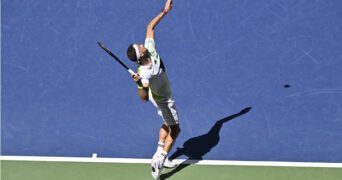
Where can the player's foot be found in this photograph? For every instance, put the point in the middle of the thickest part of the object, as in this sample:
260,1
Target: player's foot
156,169
157,165
168,163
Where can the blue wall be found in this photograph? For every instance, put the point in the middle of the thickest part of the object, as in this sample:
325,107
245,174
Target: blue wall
64,96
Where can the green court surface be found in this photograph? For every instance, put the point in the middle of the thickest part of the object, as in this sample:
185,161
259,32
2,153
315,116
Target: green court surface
29,170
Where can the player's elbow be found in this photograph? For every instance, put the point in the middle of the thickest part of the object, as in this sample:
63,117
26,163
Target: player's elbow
144,99
150,27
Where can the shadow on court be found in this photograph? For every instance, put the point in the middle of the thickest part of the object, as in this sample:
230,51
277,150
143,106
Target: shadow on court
195,148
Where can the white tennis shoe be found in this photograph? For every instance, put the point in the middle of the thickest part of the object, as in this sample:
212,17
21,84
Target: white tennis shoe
155,170
168,163
157,165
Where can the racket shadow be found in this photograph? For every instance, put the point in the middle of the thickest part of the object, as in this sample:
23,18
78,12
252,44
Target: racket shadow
195,148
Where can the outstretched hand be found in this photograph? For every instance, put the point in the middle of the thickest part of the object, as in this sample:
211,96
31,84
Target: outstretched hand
168,6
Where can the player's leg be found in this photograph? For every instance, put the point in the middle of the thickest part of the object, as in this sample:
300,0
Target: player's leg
163,133
164,130
157,159
174,131
160,158
170,117
168,111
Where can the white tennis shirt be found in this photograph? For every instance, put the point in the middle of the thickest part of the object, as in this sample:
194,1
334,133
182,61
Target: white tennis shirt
153,74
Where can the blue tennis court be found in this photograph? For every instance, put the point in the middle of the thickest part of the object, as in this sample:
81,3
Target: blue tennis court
252,80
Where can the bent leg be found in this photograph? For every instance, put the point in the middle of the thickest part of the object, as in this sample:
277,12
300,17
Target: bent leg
174,131
163,133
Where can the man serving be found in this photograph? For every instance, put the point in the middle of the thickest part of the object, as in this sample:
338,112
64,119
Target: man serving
153,85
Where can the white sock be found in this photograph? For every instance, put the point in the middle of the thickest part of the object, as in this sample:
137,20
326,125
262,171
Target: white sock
160,146
163,155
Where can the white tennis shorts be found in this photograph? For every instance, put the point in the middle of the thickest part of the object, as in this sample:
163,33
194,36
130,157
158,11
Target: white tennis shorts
167,110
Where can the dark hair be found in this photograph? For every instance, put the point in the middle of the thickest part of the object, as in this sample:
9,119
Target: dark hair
132,55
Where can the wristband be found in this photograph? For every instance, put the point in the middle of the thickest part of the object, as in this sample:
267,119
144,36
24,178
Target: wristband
140,87
164,12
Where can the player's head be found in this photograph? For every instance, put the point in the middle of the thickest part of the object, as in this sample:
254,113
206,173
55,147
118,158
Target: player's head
136,52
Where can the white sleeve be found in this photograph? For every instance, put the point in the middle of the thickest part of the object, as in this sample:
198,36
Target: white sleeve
150,45
145,81
145,76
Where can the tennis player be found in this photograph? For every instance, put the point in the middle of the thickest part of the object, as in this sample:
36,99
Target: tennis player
154,85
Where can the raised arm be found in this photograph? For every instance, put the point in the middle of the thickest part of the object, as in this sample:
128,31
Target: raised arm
155,21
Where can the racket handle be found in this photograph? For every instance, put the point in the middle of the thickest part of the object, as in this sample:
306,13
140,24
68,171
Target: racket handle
131,71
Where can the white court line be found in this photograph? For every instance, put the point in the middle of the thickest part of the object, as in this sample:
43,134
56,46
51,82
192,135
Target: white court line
177,161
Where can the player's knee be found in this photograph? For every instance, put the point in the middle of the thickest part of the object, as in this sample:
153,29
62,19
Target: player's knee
165,127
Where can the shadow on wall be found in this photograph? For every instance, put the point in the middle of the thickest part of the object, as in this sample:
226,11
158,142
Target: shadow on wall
195,148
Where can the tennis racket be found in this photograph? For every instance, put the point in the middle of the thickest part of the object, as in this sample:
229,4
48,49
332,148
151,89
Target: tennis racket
116,58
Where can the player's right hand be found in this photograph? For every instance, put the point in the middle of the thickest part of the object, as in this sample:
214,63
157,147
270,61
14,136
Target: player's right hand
136,77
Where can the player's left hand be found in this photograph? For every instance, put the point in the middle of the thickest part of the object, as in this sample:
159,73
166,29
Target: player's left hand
168,5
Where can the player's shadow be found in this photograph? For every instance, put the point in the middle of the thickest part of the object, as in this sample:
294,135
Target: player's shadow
195,148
